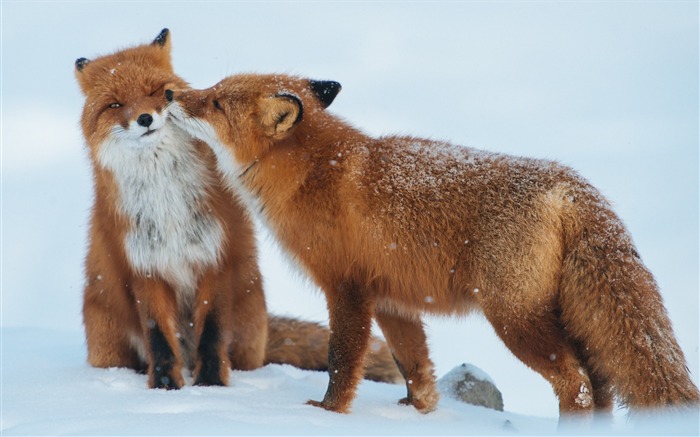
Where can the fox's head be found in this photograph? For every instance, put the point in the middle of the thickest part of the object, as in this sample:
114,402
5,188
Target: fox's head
124,93
243,116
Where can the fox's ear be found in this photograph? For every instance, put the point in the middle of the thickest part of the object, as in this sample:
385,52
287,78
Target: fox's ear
162,53
279,114
82,78
325,91
80,63
162,39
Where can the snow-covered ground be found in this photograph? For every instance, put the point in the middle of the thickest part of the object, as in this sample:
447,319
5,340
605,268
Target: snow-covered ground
609,88
50,390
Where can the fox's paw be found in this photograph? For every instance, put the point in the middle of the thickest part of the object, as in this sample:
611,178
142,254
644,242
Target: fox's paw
424,404
423,396
168,377
328,407
166,382
418,404
212,373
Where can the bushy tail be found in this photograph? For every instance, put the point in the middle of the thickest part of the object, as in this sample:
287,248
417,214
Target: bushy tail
305,345
611,304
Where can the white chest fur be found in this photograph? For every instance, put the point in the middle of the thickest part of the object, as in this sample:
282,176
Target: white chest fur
162,189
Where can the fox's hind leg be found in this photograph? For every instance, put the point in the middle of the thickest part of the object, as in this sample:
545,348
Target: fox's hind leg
603,398
408,344
538,340
112,327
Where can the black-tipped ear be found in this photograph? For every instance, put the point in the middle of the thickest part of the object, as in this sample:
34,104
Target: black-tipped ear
80,63
279,114
297,102
325,90
162,38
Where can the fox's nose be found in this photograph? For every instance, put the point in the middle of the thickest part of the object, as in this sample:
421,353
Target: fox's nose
144,120
169,95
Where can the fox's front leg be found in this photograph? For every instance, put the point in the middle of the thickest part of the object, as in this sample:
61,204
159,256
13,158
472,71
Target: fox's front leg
350,323
408,344
157,308
212,328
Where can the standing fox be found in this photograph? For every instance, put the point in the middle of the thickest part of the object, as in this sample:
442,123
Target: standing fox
172,278
395,227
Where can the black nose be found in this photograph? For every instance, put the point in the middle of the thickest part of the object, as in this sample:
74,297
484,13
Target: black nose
144,120
169,95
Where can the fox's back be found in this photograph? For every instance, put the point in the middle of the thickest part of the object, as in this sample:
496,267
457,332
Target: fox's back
444,223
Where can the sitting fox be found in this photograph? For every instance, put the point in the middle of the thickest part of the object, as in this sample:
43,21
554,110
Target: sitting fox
172,276
394,227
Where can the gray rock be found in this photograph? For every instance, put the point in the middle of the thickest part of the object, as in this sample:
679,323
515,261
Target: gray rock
472,385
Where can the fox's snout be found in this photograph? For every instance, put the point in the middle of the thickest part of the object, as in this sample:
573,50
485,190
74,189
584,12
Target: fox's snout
145,120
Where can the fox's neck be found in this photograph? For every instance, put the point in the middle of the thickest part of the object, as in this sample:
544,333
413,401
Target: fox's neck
162,195
312,162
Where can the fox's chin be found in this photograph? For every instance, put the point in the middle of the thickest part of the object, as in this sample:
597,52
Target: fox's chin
150,137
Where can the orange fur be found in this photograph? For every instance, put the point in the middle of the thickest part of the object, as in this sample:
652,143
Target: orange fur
394,227
305,344
172,278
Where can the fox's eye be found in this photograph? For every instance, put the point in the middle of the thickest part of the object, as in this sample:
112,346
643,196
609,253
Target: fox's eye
217,105
115,105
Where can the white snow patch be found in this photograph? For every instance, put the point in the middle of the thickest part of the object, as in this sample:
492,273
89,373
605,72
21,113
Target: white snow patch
49,389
